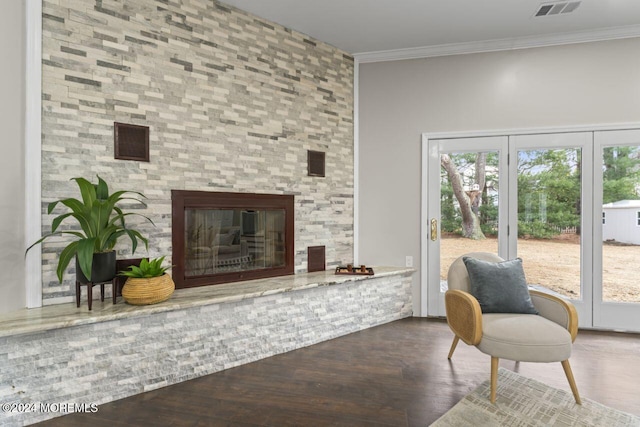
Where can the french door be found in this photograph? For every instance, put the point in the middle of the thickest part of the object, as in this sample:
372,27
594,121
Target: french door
551,209
616,230
553,199
451,178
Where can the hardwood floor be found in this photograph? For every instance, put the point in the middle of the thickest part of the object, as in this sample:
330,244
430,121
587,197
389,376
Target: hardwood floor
391,375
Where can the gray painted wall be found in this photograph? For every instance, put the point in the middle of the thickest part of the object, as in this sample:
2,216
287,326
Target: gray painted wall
12,105
581,84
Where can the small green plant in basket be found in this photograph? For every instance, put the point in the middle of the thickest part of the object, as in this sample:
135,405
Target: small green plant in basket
147,283
148,268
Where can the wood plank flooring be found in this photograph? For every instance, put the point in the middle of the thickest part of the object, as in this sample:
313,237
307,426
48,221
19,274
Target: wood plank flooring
391,375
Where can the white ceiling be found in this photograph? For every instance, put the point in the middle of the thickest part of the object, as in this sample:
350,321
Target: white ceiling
364,26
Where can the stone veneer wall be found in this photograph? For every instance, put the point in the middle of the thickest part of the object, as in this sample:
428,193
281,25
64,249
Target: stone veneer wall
233,103
107,361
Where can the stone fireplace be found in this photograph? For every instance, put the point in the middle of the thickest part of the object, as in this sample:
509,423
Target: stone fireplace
225,113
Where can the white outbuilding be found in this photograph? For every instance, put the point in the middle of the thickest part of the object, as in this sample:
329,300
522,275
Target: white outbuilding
621,221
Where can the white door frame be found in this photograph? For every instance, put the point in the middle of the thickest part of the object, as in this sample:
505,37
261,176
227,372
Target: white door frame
33,151
428,136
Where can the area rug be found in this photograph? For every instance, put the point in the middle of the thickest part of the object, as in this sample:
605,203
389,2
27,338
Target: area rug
524,402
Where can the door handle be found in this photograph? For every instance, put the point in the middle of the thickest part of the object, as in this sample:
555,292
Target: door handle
434,229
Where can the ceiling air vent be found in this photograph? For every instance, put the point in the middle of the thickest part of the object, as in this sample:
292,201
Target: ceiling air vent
571,7
548,9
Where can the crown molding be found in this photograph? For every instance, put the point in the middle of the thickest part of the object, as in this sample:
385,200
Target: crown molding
500,44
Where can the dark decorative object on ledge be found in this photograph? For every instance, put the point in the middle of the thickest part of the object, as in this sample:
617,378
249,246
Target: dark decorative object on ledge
315,259
131,142
315,163
355,271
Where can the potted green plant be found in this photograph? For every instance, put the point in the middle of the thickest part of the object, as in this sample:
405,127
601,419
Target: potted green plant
147,283
102,223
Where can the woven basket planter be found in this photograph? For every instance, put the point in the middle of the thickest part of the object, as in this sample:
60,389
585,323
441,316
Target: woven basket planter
144,291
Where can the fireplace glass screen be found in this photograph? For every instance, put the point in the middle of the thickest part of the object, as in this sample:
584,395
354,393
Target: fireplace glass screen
220,237
233,240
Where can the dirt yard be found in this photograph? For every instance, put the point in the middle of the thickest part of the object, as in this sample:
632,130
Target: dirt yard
555,264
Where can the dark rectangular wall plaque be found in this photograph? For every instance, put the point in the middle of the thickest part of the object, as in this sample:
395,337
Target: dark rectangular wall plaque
315,163
131,142
316,259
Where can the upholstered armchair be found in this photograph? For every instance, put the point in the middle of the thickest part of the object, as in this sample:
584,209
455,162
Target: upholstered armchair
546,337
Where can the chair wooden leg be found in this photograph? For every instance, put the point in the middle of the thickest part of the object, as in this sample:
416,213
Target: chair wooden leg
494,378
572,381
453,346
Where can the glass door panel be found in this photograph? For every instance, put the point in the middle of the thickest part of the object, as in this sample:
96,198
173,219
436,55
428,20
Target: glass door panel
620,223
549,218
469,188
462,207
551,204
617,232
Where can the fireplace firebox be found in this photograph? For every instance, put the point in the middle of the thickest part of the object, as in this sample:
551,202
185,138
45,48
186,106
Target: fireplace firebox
223,237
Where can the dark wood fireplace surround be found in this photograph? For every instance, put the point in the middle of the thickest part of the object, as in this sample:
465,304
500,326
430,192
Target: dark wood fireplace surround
181,200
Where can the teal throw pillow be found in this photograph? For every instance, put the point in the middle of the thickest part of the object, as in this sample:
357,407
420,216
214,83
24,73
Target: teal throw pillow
499,287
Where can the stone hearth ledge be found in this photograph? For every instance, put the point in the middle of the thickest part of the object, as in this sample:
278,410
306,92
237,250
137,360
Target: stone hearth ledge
65,315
